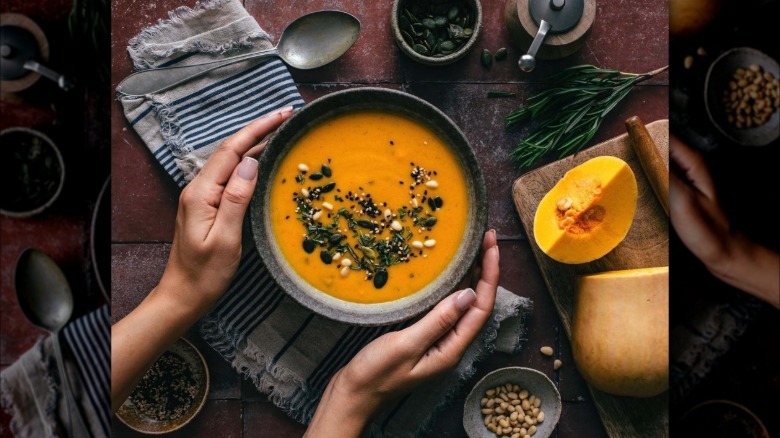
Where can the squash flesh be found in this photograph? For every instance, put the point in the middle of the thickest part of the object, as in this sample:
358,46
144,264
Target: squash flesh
599,197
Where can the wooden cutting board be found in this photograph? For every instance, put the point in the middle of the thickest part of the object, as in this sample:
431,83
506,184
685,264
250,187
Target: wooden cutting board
646,245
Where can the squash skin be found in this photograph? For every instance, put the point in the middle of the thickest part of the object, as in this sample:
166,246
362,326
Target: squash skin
620,331
603,188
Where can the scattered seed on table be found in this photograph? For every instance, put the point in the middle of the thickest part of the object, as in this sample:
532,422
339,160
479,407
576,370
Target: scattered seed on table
547,351
557,364
486,58
501,53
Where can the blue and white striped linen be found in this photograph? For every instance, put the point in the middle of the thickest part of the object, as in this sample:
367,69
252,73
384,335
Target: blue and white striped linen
89,339
288,352
31,392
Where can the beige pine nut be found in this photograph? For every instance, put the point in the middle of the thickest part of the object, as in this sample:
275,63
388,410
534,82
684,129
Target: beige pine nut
540,417
523,394
432,184
487,411
327,206
303,168
344,271
537,402
396,226
531,430
557,364
305,193
526,404
316,216
688,62
336,256
430,243
488,419
346,262
546,350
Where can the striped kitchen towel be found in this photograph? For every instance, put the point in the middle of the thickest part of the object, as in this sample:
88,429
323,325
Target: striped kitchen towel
288,352
30,388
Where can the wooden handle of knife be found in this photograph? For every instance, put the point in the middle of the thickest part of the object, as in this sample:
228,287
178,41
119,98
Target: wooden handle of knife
652,163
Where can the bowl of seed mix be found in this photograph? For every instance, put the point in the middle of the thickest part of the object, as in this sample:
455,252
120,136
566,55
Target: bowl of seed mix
742,96
170,394
512,402
435,32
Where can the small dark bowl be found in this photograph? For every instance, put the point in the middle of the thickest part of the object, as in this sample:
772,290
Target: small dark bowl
718,77
45,172
476,7
333,105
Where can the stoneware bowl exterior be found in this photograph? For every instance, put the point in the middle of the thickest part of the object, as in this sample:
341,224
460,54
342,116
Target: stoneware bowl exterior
133,419
718,77
476,6
46,140
527,378
320,111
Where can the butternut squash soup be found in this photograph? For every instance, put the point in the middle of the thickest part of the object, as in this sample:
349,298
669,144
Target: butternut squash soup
369,206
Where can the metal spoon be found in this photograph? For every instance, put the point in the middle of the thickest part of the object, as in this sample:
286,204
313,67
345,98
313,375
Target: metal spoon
46,300
311,41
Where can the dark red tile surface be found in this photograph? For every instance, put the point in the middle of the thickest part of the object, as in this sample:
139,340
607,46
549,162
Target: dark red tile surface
264,419
219,418
629,37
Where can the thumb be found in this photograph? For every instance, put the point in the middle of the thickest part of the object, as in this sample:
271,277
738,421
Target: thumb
440,320
236,196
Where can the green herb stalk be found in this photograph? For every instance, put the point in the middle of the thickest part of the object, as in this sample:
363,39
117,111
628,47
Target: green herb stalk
572,111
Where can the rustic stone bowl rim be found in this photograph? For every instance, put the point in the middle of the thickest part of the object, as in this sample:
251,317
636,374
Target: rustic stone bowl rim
536,382
430,60
322,109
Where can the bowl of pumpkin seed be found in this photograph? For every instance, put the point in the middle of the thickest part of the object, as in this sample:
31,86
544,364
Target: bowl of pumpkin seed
436,32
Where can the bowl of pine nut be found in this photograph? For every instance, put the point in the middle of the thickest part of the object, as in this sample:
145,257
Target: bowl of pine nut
742,96
512,402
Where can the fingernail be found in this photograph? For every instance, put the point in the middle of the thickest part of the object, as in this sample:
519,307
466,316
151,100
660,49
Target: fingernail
247,169
493,232
286,110
465,299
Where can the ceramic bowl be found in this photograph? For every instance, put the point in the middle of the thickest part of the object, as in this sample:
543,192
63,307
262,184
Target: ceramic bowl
129,414
322,110
526,378
100,240
398,5
717,80
718,417
44,168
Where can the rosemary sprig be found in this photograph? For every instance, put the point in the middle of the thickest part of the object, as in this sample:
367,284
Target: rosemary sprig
572,110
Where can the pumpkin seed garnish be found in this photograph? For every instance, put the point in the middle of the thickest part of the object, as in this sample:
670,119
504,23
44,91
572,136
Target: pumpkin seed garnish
315,176
380,279
431,221
309,245
326,170
487,58
328,187
326,257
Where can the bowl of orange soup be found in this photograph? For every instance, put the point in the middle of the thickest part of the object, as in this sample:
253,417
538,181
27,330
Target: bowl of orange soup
371,206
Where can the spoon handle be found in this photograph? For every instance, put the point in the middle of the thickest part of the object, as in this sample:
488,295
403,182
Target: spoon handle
80,429
155,80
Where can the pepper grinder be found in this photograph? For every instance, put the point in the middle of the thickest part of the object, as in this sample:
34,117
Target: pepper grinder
548,29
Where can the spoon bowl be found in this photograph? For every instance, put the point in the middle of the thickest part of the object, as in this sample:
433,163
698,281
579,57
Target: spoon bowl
43,291
310,41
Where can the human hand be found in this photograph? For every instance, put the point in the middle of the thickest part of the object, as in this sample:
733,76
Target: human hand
207,242
703,227
695,210
395,363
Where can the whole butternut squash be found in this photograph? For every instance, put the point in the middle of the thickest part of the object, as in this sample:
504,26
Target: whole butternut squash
620,331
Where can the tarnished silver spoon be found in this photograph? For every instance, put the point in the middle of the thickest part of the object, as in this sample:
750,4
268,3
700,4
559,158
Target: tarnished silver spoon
44,295
311,41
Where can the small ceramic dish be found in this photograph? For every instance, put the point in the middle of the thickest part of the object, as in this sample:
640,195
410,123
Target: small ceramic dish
721,418
136,417
327,108
100,240
397,22
32,172
535,382
719,74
